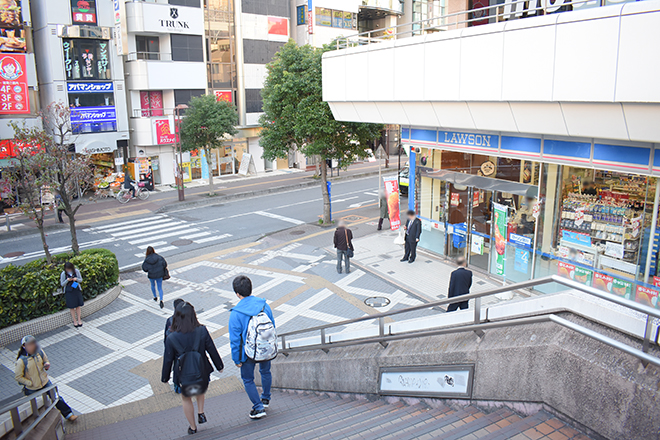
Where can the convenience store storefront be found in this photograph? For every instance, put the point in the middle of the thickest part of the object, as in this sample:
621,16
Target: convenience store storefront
521,208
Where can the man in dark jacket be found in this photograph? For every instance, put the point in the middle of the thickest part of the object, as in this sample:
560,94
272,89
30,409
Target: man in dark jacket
459,284
343,242
413,230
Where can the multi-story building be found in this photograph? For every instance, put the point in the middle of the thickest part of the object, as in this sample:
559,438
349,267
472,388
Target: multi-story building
78,64
533,136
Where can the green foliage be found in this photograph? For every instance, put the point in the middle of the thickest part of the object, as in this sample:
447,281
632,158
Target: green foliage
26,292
294,111
207,122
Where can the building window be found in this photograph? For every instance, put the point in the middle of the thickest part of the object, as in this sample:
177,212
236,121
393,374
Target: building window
148,48
427,10
191,3
187,48
266,7
86,59
92,107
253,101
259,51
221,76
184,96
151,103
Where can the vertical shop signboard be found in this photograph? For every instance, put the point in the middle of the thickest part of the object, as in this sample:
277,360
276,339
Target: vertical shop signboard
392,195
310,18
622,288
83,12
500,212
455,199
656,281
14,98
646,296
163,132
603,282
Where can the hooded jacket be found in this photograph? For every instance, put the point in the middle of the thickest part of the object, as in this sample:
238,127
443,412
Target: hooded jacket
34,376
238,324
155,266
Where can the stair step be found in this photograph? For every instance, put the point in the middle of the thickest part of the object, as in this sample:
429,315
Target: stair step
413,415
471,428
434,424
518,427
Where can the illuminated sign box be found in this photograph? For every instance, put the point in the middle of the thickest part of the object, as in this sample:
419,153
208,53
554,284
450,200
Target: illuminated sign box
446,381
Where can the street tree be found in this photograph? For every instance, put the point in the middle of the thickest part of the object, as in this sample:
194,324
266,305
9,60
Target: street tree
295,116
71,174
31,175
207,125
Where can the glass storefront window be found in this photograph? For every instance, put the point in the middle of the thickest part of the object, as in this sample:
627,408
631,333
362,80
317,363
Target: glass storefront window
86,59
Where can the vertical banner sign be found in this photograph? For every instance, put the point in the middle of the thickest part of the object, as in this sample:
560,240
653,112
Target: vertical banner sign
310,17
121,31
14,97
392,195
500,236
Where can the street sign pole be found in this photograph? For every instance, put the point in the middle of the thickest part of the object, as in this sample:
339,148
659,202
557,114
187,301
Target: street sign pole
330,198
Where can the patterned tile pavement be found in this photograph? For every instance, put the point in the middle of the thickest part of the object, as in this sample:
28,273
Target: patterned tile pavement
114,358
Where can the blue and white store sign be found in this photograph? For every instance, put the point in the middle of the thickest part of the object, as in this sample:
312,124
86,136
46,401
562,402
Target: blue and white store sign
88,87
82,115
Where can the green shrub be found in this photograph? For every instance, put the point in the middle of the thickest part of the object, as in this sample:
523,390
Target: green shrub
26,292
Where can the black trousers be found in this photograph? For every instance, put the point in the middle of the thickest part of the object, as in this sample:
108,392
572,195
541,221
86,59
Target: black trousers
457,305
410,249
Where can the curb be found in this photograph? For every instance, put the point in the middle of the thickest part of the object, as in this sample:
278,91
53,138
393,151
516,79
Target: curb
31,231
218,200
56,320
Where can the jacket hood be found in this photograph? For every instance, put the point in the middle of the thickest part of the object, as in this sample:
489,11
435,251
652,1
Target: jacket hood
151,259
250,305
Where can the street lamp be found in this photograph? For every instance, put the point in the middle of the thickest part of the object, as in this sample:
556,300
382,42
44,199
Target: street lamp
179,177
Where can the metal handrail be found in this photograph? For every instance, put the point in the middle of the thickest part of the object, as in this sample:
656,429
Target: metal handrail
478,325
19,431
511,9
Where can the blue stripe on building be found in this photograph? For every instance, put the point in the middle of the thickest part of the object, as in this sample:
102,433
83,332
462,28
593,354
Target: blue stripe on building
617,153
405,133
424,135
568,149
526,145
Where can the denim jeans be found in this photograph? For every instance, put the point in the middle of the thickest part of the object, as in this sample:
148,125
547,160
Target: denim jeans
61,405
344,255
159,282
247,374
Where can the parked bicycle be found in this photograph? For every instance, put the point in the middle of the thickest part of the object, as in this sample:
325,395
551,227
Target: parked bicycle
124,195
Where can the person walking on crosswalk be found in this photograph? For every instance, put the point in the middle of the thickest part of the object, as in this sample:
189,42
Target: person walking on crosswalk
156,268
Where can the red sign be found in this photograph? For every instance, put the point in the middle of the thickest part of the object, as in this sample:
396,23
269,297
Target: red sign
392,196
475,199
164,132
224,95
647,296
6,149
603,282
455,199
656,281
278,26
310,26
83,12
14,98
566,270
151,103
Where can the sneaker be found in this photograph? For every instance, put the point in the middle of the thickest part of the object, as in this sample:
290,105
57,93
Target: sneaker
265,402
155,299
257,413
201,418
403,259
72,418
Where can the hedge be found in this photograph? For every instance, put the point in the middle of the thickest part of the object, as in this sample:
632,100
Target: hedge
26,292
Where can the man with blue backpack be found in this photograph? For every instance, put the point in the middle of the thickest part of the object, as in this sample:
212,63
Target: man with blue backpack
253,341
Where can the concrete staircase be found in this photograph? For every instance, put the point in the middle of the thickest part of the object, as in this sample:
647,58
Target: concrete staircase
310,416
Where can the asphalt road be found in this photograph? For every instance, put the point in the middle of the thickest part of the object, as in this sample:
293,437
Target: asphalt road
178,234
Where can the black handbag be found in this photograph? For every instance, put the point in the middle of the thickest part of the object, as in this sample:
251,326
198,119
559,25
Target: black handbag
166,275
349,251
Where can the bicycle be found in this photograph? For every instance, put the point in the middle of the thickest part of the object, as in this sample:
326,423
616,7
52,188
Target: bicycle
124,195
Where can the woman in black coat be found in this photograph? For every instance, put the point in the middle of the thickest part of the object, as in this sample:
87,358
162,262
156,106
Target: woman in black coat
186,331
156,268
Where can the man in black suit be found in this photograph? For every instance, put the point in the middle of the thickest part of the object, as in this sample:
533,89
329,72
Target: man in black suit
413,230
459,284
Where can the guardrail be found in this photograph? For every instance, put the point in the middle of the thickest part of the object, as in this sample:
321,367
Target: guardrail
21,432
509,10
479,326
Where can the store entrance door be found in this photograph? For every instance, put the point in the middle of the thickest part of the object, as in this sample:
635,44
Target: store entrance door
457,220
480,228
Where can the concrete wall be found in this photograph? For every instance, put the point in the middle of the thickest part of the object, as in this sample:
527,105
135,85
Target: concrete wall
596,386
581,73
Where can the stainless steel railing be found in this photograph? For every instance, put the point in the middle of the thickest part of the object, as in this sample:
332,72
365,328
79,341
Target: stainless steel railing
509,10
21,432
479,325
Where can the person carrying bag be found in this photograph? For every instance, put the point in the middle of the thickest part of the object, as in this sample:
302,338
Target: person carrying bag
343,241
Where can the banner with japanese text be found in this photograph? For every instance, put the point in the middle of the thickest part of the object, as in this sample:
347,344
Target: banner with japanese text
500,236
392,196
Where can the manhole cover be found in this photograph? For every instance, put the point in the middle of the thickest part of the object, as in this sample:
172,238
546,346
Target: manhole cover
181,242
377,301
297,232
13,254
352,218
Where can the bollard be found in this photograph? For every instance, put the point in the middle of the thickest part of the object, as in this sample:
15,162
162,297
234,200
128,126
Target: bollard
7,222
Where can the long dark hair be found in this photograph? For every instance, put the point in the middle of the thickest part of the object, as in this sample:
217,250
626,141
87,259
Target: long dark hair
21,352
150,250
185,319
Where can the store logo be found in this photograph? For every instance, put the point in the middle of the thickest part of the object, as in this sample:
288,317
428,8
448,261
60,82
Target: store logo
174,13
467,139
174,23
10,69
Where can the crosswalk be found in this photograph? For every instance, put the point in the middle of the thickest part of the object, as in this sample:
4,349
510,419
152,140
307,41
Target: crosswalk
159,231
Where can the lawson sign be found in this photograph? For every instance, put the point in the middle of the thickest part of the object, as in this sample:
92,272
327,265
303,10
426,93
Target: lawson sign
82,115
